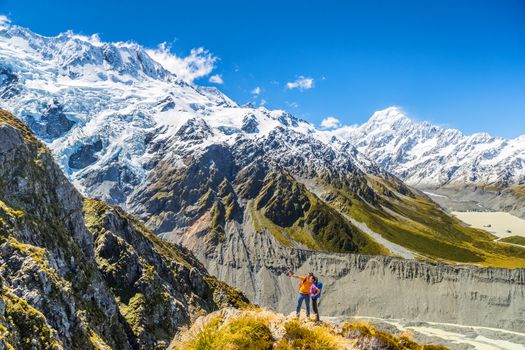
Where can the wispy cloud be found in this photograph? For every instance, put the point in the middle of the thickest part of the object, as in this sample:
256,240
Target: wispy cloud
292,104
262,103
4,20
302,83
330,123
199,63
256,91
217,79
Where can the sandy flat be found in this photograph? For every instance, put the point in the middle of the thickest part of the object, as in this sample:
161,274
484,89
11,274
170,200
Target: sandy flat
500,222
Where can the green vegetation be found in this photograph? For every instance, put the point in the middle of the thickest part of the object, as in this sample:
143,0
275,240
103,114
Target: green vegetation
16,214
420,225
520,240
297,336
292,214
26,328
29,138
243,332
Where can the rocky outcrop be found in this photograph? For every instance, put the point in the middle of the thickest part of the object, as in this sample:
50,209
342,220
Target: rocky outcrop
159,285
67,285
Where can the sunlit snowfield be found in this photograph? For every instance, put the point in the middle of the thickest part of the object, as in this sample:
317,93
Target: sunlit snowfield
499,223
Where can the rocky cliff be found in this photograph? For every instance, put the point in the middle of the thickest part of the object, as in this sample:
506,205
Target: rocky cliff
378,286
64,284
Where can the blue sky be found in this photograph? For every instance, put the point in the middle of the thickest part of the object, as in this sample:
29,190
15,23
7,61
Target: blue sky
455,63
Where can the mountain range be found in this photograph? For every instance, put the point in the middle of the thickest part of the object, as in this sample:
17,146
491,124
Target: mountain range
201,170
486,170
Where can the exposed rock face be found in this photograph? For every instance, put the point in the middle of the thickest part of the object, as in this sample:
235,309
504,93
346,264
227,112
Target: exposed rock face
159,285
105,285
52,123
85,155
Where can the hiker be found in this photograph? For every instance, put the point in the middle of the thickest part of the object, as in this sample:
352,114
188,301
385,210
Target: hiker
315,293
304,292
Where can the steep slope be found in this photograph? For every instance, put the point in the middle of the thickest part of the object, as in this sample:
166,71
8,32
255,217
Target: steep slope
81,288
479,166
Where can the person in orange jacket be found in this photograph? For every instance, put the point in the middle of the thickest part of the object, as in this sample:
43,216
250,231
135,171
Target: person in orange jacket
304,292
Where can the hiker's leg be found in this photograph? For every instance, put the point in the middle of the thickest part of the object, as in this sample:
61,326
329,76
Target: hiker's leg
307,302
316,309
299,303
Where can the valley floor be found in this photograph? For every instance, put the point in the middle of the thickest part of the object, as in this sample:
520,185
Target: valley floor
500,224
453,336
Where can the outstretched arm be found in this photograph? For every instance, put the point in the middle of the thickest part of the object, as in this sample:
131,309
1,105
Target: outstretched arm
291,274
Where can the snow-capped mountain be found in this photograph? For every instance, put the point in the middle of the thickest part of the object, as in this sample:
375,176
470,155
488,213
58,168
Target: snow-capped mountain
429,156
201,170
109,112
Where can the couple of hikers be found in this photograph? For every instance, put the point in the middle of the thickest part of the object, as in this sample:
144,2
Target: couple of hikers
309,289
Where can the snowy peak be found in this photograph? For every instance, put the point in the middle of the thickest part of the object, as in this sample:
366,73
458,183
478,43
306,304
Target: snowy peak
427,155
77,56
109,110
390,115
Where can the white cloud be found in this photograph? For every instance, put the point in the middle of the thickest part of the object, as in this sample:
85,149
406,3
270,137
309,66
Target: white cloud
292,104
262,103
257,90
199,63
330,123
92,39
4,20
301,83
217,79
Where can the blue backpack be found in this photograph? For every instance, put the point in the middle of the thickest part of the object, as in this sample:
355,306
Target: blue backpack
319,285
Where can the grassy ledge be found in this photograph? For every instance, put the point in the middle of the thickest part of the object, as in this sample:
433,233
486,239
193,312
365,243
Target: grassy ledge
258,328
